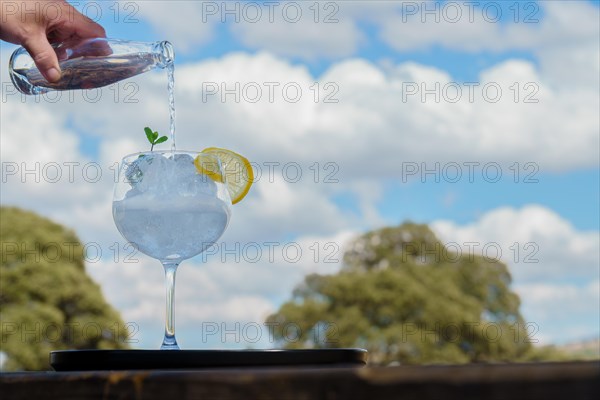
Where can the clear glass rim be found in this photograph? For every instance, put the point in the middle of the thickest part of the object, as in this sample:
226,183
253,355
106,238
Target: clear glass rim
139,153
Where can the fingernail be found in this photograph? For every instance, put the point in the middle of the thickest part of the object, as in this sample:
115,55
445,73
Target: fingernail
53,74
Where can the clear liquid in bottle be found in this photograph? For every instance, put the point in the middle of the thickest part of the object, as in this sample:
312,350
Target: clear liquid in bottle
90,63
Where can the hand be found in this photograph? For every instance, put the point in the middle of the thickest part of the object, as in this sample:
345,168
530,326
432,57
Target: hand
35,24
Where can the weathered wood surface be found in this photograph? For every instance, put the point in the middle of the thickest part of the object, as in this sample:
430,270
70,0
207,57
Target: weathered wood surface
478,382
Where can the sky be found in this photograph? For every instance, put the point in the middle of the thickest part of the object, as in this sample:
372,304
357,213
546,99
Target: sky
478,118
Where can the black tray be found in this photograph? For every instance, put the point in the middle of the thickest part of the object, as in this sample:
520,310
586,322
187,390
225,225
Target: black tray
99,360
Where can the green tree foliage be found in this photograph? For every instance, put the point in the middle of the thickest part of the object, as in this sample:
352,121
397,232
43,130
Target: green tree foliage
47,301
407,298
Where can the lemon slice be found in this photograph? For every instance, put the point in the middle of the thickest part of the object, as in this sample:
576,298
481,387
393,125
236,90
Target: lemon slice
237,169
209,167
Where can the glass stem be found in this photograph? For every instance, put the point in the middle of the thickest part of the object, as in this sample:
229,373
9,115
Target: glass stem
169,342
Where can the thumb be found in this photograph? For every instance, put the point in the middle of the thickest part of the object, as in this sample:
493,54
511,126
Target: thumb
44,57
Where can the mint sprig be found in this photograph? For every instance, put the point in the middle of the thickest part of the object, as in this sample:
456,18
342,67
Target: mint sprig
153,137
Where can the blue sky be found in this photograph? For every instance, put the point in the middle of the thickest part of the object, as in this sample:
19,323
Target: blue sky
371,134
560,192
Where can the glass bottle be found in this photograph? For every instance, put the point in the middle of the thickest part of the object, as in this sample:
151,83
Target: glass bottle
90,63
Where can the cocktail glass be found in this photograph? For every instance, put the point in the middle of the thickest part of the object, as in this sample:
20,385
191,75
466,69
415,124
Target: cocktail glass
171,210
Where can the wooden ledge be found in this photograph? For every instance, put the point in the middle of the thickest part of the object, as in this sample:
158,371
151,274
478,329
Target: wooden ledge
544,381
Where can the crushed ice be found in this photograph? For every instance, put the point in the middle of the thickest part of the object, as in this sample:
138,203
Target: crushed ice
167,176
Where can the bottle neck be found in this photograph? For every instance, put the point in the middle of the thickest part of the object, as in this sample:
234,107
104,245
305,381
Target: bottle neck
164,51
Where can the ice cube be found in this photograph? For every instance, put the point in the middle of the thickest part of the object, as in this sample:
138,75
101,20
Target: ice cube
184,159
135,170
160,175
134,191
188,181
184,166
204,185
155,175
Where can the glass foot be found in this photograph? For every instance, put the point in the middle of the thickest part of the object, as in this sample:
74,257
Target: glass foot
169,343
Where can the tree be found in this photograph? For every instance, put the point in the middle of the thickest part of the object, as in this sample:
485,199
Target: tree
47,301
407,298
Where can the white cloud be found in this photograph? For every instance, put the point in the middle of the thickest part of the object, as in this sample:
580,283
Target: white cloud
465,27
186,24
277,208
564,36
41,157
568,50
374,120
301,29
370,131
538,244
289,28
52,141
560,313
554,266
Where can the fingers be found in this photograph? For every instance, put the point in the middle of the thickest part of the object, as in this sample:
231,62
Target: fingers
83,26
78,27
72,24
44,57
88,28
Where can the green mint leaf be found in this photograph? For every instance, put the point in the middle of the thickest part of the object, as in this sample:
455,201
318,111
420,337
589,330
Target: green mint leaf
149,134
153,137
